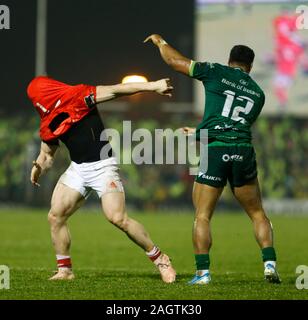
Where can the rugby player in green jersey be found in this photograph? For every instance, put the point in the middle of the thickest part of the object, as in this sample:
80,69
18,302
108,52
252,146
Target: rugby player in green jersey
233,103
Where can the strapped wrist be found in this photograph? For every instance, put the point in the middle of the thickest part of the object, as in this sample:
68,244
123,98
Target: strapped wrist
162,42
36,165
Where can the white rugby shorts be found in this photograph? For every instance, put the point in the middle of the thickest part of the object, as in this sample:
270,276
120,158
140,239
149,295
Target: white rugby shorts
100,176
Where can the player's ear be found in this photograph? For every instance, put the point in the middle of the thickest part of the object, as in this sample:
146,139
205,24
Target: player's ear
250,67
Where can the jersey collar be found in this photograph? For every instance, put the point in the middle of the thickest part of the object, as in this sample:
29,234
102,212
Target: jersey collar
238,68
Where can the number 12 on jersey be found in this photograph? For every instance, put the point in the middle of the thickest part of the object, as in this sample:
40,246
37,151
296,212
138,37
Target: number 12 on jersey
237,109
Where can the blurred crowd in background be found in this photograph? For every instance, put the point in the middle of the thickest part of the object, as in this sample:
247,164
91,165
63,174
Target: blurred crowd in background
281,144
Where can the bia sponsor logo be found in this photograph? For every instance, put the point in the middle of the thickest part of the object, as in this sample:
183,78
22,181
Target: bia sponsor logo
4,17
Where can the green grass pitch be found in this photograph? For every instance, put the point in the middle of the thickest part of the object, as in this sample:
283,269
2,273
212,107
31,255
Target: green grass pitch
108,266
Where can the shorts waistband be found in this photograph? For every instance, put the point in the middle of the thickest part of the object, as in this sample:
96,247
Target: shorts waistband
99,163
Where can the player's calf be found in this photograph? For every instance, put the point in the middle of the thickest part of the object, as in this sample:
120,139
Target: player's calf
61,241
137,233
114,208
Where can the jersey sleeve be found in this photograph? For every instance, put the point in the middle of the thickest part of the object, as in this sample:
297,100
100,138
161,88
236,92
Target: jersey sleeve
263,99
202,70
84,95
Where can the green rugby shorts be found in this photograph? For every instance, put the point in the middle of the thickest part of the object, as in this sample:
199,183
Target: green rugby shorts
235,163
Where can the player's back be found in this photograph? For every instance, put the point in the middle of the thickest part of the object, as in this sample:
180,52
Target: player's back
233,101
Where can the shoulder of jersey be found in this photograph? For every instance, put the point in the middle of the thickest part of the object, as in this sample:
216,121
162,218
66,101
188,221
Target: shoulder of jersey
257,85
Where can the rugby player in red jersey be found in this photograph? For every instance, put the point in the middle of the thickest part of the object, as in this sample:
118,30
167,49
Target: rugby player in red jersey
289,54
69,114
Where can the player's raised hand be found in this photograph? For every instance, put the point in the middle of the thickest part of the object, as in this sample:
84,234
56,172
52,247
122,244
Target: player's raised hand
164,87
35,173
156,39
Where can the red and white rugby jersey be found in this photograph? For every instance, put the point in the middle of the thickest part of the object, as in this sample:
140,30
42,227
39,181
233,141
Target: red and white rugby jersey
59,105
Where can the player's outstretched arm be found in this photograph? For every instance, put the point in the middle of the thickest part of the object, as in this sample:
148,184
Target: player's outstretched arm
43,162
171,56
105,93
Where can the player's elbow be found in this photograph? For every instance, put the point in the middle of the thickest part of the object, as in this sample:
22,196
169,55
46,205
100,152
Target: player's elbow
46,161
178,65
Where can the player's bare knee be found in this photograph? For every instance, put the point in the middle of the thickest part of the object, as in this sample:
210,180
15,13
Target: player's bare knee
258,216
203,216
120,221
57,217
52,219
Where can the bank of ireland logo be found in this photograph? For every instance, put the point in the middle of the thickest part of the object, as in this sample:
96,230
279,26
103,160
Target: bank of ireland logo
4,277
4,17
243,82
302,279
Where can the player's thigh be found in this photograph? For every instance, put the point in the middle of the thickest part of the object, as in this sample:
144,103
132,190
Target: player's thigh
103,178
243,165
210,180
213,169
69,193
249,196
205,198
65,200
106,182
113,205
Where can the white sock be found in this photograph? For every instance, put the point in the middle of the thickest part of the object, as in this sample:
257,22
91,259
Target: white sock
202,272
273,263
59,257
63,262
154,253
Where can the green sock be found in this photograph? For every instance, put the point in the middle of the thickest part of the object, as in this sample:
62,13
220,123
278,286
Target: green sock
202,261
268,254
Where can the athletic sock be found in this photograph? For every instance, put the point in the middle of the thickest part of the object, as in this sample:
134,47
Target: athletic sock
273,263
268,254
202,262
154,253
201,273
64,262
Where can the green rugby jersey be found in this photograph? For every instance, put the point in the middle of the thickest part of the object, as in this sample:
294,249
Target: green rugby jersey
233,101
